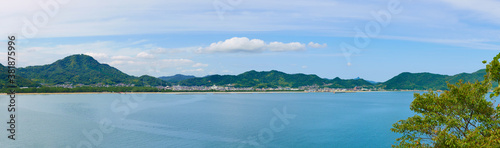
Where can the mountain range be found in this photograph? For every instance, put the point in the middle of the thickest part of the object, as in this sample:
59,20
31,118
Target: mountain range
176,78
83,69
273,78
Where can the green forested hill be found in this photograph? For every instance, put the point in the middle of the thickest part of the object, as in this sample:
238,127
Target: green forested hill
350,83
272,78
20,81
176,78
425,81
149,80
82,69
468,77
3,76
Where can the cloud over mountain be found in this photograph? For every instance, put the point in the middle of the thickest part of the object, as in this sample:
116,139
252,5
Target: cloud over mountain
244,44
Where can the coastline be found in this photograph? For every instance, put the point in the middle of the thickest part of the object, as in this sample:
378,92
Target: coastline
80,93
182,93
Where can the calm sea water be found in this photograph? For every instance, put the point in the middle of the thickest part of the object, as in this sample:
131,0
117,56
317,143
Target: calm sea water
206,120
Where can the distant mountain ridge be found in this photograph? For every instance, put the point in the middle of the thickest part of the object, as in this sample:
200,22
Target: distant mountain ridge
176,78
373,82
424,81
273,78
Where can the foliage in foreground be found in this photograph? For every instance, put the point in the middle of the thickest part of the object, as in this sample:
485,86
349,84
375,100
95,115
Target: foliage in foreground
460,117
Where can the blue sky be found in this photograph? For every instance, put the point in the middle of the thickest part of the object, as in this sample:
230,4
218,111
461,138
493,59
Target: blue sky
204,37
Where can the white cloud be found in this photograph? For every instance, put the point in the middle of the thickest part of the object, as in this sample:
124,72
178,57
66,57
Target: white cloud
236,44
145,55
244,44
200,65
279,46
98,56
316,45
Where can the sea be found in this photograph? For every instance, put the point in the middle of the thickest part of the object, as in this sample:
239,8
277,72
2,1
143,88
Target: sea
214,120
